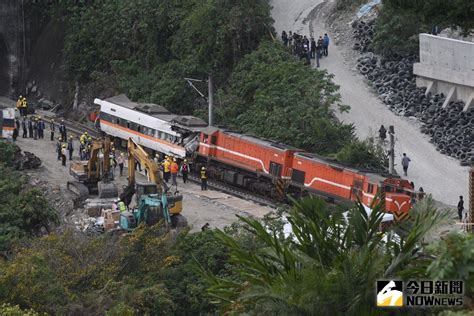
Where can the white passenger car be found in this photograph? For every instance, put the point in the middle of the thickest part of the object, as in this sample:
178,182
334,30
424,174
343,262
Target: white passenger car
150,125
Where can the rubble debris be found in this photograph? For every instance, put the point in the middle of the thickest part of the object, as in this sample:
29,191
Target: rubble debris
28,161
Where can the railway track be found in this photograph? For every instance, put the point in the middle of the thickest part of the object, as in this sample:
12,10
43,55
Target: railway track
79,128
72,127
219,186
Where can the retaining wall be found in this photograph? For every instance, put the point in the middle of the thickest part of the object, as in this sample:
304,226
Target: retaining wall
446,66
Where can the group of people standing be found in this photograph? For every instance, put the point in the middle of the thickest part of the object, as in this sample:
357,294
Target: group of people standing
171,167
305,48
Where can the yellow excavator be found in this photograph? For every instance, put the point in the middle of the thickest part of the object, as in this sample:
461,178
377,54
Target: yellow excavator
94,176
153,192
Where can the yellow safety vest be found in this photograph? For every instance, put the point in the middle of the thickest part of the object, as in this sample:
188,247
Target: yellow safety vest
122,207
203,174
166,166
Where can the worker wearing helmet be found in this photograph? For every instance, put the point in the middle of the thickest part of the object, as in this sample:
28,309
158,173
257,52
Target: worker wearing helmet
70,147
63,154
185,170
166,169
121,161
174,168
83,138
19,105
52,129
121,206
203,179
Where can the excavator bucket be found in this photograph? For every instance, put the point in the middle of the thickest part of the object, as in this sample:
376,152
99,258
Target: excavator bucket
107,190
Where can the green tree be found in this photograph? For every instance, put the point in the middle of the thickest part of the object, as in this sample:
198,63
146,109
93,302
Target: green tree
328,266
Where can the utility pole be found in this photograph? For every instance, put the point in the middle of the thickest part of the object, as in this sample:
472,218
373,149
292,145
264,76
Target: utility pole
391,157
211,99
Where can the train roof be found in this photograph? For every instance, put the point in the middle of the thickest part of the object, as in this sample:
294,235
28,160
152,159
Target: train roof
260,141
6,103
157,111
373,176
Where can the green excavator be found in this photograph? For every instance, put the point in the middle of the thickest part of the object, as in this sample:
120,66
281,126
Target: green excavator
154,201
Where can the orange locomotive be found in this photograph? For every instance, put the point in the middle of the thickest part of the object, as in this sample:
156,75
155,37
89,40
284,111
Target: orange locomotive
274,169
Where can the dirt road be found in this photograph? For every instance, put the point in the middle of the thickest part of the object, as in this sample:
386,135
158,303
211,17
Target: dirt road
216,208
440,175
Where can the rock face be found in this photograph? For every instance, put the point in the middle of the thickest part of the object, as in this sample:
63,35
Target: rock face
450,129
26,160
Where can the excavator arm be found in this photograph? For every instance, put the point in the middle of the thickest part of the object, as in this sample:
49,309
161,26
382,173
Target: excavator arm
94,165
137,154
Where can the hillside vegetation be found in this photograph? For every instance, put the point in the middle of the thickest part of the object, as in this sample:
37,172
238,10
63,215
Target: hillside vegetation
145,48
400,22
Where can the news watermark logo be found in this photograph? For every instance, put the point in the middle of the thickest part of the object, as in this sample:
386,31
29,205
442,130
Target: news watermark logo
389,293
415,293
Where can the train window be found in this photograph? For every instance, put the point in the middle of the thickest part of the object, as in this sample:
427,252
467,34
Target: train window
214,140
128,124
151,132
139,128
275,169
145,130
298,176
370,188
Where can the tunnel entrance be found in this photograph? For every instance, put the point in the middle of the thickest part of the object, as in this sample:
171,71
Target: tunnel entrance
4,68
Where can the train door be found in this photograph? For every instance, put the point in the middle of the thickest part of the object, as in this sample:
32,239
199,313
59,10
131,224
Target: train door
357,187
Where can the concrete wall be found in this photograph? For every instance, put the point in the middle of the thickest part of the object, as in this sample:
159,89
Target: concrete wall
446,65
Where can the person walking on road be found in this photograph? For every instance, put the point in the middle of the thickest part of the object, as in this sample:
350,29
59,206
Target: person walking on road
25,130
313,48
325,44
174,169
284,38
63,155
382,134
58,148
35,128
166,169
405,163
30,128
41,128
70,147
62,130
203,179
51,129
185,170
460,208
15,134
121,161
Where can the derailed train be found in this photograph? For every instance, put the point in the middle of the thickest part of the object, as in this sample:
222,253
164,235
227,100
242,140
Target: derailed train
7,121
258,165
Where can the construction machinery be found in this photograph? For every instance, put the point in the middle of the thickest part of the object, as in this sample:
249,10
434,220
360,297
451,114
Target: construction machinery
94,176
153,197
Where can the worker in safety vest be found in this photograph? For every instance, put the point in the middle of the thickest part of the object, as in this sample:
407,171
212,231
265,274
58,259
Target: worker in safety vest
185,170
203,179
24,105
166,169
121,206
19,105
83,138
174,168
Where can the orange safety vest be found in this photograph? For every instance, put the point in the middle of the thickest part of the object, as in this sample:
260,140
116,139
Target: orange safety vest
174,167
